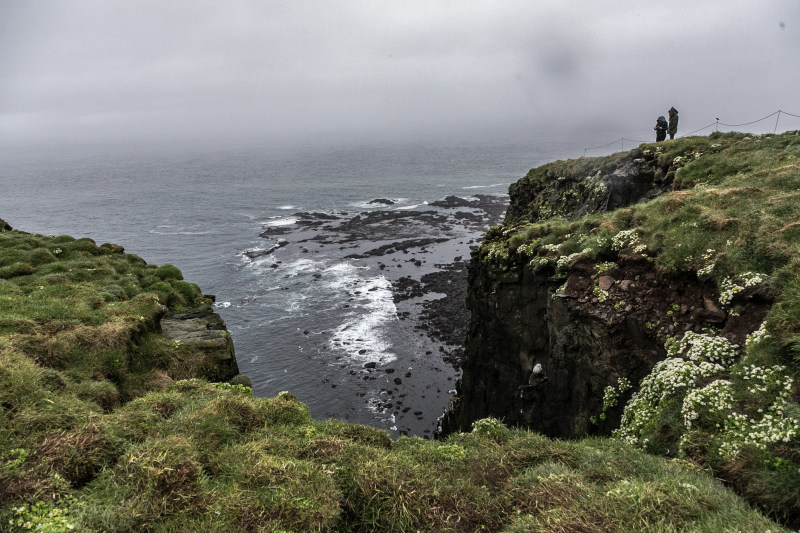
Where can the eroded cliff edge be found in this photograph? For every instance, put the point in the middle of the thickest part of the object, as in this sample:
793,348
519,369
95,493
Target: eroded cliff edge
546,338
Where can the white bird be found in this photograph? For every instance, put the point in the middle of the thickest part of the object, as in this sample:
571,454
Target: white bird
537,369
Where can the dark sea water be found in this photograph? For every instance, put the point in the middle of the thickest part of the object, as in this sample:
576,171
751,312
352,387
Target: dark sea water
309,315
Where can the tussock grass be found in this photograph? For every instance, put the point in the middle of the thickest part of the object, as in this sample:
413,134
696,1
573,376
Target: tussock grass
150,466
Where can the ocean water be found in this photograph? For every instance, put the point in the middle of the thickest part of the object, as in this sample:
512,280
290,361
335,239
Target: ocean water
306,308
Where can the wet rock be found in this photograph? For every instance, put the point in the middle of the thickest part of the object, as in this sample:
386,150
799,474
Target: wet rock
253,254
381,201
451,202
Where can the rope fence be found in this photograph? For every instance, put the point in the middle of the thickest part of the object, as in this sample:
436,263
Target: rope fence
716,124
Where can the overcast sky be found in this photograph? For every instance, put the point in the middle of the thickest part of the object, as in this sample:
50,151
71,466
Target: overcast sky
297,71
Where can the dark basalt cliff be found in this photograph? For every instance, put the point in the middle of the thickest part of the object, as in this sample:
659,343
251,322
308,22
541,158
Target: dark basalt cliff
539,353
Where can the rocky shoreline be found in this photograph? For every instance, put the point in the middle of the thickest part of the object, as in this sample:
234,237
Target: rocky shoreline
421,253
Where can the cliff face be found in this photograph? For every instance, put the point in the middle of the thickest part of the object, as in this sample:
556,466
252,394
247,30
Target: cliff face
543,344
517,325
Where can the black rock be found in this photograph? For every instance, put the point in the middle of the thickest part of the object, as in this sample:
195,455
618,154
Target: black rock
383,201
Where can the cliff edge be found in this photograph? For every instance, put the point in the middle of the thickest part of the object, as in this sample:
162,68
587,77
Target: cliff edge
639,294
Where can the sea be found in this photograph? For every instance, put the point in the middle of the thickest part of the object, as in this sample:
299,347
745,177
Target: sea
302,248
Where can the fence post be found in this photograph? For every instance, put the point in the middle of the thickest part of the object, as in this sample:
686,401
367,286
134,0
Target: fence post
776,122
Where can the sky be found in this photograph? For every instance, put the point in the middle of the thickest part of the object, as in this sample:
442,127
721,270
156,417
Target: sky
300,71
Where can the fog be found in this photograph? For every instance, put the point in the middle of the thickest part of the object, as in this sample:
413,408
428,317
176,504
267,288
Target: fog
356,70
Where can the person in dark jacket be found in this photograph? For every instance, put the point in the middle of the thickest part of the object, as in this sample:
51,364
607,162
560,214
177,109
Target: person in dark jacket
673,122
661,129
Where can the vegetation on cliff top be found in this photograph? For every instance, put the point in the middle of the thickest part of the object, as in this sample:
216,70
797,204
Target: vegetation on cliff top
731,219
102,431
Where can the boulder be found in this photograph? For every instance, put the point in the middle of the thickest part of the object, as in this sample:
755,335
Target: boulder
204,329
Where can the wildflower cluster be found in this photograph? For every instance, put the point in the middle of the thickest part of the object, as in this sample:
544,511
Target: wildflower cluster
602,267
490,427
624,239
757,336
539,261
565,260
744,431
700,358
528,249
496,250
562,288
611,397
712,401
628,238
771,425
551,247
702,347
710,262
729,287
600,294
594,242
768,380
668,378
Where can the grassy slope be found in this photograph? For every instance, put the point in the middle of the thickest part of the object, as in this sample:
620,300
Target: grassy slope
733,219
101,431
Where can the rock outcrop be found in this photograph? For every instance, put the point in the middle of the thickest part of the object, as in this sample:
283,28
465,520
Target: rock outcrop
205,330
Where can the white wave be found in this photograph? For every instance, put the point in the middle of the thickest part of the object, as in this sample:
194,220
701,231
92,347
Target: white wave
484,186
407,207
361,333
342,276
221,305
286,207
294,269
154,232
368,204
280,221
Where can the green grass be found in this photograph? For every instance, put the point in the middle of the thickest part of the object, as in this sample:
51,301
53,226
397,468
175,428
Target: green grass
263,464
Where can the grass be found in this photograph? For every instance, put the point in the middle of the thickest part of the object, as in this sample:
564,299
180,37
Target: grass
106,428
269,467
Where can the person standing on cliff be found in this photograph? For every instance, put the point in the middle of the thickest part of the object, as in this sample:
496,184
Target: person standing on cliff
661,129
673,122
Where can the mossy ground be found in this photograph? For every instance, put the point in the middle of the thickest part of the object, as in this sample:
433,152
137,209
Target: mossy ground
728,230
197,456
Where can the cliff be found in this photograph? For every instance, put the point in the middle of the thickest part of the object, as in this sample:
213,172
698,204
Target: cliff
608,272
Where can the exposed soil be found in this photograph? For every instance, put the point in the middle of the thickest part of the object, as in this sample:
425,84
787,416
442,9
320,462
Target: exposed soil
668,305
